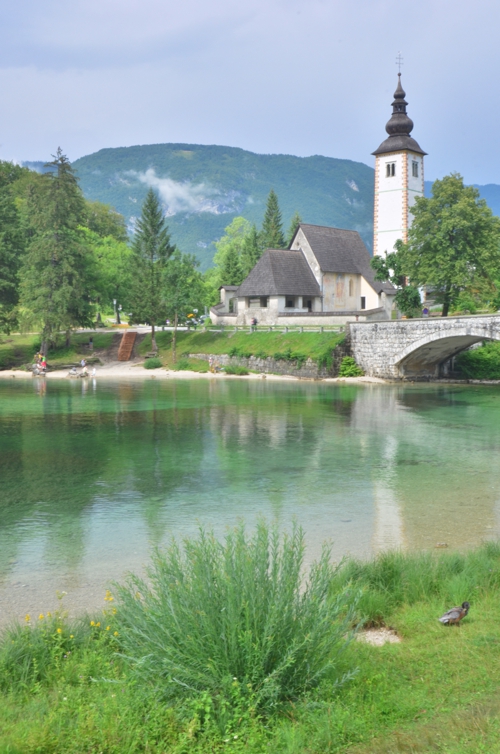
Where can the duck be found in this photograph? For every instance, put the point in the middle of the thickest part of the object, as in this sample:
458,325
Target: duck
455,614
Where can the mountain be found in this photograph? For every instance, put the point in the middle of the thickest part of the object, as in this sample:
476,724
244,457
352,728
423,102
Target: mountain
202,188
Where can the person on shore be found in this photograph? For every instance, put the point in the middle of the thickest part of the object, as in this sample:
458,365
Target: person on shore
254,324
83,363
211,363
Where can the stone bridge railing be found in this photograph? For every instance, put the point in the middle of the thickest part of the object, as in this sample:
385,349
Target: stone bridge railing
417,348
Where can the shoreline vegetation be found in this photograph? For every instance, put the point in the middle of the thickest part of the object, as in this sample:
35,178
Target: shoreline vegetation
225,646
294,349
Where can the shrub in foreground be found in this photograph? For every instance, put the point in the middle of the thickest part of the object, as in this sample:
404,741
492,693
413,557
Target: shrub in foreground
234,621
152,363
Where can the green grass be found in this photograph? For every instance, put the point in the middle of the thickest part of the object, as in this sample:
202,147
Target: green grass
436,691
295,347
481,363
18,350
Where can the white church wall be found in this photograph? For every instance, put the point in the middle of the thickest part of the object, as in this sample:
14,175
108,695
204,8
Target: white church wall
302,243
372,300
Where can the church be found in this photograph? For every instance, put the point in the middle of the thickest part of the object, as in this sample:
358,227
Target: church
325,277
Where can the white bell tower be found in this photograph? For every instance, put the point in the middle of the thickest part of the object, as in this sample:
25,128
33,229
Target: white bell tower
399,178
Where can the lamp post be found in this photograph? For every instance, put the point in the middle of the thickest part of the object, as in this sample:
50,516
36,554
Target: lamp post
114,307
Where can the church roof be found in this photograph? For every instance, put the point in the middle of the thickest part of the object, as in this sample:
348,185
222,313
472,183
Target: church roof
341,251
280,272
399,127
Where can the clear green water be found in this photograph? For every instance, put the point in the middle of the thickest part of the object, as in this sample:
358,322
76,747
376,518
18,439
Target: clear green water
92,476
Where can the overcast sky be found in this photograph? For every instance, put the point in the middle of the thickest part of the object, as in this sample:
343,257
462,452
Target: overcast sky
271,76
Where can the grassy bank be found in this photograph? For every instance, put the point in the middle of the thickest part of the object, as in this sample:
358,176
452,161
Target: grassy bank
18,350
295,347
207,657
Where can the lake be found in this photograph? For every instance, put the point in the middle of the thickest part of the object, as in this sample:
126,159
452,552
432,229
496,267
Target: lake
93,474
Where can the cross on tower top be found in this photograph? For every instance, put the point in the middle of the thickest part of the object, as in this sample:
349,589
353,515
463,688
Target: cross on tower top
399,61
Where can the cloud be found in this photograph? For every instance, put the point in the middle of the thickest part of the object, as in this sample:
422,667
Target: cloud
179,197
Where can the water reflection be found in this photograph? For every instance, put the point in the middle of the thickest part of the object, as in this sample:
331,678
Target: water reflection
93,476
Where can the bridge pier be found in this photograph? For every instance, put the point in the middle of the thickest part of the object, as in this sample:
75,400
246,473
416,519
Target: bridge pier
417,349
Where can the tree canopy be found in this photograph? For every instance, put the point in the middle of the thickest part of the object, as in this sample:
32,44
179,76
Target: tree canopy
453,243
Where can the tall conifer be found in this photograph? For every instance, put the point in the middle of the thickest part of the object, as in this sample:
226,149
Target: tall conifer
232,272
152,249
294,225
56,273
271,235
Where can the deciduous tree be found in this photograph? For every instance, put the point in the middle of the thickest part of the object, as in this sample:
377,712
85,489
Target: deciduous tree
183,288
453,243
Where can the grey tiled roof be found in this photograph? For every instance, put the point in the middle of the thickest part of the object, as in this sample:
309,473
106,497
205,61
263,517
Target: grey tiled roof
397,143
342,251
280,272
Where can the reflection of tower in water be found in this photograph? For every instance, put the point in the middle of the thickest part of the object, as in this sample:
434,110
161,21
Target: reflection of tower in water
433,481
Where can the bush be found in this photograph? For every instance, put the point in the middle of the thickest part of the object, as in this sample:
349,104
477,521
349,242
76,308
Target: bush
480,363
182,365
234,369
153,363
214,616
349,368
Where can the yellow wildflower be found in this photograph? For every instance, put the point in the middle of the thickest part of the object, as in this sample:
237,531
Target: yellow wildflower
92,623
109,597
107,628
27,617
59,630
71,636
40,617
98,624
114,611
116,633
49,615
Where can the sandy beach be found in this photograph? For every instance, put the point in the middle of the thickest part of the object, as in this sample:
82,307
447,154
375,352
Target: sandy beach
130,370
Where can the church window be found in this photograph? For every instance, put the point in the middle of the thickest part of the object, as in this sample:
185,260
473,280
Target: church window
290,303
350,286
263,302
390,169
414,169
363,302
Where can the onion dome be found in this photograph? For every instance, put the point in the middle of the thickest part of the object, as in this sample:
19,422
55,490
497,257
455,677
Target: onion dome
399,127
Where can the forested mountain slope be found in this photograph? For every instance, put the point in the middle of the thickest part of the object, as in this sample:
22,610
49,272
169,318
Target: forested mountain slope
202,188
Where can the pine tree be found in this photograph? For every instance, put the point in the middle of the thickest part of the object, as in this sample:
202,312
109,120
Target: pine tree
251,252
12,245
294,225
152,249
57,269
232,272
271,235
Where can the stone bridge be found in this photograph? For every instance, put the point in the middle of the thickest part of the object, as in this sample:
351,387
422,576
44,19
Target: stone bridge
417,348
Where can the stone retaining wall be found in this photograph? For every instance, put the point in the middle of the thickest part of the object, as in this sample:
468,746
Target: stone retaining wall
309,369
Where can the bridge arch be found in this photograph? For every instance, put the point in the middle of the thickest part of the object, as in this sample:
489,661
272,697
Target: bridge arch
426,354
